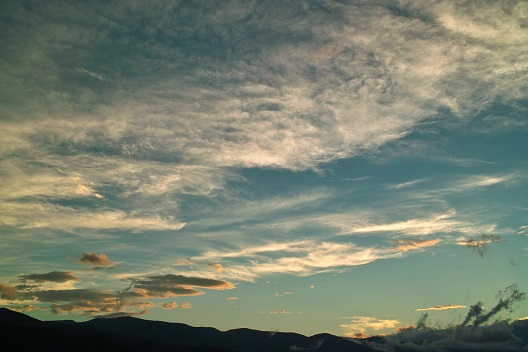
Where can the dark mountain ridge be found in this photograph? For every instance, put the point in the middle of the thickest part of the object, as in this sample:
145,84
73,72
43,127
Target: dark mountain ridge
134,334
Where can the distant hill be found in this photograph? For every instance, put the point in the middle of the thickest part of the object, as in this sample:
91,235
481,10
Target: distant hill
134,334
128,334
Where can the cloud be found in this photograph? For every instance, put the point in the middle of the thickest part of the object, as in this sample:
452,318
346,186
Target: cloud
54,276
480,246
186,305
37,216
216,267
523,230
410,244
122,314
177,285
300,258
362,324
451,306
405,184
282,311
8,292
479,181
93,258
418,226
170,305
309,89
232,298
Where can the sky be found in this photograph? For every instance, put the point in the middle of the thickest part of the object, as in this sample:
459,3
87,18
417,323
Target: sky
307,166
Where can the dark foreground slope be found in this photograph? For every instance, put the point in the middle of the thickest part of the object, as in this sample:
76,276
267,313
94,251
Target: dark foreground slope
24,333
133,334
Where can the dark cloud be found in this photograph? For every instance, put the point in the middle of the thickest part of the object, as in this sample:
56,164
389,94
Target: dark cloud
95,259
72,295
8,292
177,285
54,276
122,314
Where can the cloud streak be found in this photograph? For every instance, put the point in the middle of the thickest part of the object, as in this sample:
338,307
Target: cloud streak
447,307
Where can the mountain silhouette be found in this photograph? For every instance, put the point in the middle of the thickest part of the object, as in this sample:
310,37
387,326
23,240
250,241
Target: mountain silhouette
134,334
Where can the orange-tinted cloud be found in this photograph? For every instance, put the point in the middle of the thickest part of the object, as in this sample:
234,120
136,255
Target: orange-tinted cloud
186,305
95,259
232,298
216,267
171,305
411,244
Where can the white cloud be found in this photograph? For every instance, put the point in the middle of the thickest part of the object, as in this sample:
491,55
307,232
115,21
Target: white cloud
68,219
404,184
301,258
447,307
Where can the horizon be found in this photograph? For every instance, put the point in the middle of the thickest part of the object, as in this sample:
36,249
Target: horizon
336,167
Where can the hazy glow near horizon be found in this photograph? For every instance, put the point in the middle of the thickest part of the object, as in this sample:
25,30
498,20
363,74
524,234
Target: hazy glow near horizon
337,166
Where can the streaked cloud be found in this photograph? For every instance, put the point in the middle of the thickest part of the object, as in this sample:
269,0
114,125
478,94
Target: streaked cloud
447,307
410,244
170,285
30,216
232,298
54,276
301,258
423,226
405,184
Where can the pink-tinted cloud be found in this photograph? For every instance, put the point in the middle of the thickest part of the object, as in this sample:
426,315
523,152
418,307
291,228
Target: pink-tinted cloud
95,259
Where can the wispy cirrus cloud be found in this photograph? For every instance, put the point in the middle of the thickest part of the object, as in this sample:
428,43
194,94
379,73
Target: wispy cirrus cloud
42,215
405,184
410,244
446,307
300,258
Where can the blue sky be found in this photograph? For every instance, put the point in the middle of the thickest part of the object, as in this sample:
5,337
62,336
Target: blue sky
308,166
